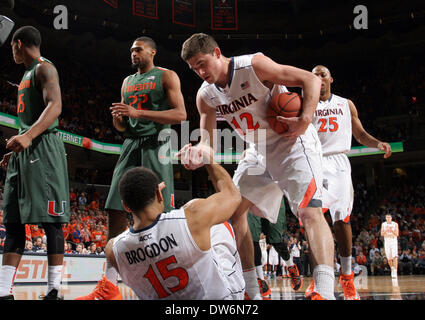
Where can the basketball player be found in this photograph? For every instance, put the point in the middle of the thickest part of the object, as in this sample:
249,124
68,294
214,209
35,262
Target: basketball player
189,253
390,232
289,163
274,237
151,101
36,186
336,121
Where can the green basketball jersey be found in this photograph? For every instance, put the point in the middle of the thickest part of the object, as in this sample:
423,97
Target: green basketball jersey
145,92
30,99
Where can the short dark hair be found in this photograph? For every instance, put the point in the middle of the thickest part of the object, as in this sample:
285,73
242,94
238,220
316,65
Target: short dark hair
198,43
138,188
147,40
28,35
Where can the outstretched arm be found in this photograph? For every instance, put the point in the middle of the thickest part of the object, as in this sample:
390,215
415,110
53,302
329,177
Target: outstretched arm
361,135
201,214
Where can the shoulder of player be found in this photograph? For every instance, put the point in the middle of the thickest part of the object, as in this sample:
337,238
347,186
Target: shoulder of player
168,75
45,70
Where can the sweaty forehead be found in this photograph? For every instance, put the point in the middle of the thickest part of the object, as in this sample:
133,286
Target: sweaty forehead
321,69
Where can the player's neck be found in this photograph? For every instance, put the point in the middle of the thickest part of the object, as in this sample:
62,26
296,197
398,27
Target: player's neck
325,96
224,78
30,56
146,69
146,217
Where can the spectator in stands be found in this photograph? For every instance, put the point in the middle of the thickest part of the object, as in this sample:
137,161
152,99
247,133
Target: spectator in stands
420,264
72,196
372,251
79,249
99,251
37,244
96,235
68,248
384,268
376,262
405,263
76,234
361,259
28,246
82,201
36,232
92,248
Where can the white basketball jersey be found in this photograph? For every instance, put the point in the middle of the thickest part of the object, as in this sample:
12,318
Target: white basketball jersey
162,261
243,102
332,120
389,227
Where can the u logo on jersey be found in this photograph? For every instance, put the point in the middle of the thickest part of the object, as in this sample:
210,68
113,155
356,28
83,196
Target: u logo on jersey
51,209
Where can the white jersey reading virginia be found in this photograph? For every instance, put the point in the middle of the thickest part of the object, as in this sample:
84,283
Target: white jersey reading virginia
243,102
163,261
332,120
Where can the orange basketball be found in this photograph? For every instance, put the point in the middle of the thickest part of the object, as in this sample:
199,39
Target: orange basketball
286,104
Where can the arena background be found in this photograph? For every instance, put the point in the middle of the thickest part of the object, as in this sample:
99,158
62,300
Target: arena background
379,68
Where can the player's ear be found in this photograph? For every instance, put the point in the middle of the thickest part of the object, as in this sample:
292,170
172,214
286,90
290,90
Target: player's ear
125,207
161,186
331,80
217,52
153,52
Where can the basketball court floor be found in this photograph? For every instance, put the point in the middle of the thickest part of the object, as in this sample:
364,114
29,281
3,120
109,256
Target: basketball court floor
370,288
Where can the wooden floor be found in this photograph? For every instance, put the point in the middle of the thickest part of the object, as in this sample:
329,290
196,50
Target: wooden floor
369,288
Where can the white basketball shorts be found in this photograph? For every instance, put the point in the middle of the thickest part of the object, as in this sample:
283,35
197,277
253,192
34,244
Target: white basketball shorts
290,167
337,182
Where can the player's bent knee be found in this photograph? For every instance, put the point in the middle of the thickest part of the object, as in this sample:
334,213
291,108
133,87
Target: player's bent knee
15,238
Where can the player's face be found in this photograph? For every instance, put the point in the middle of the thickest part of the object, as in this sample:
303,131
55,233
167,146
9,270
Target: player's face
206,66
17,56
388,218
141,54
325,76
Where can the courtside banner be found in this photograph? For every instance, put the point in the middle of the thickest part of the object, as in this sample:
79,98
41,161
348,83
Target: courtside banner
112,3
184,12
224,14
10,121
146,8
76,268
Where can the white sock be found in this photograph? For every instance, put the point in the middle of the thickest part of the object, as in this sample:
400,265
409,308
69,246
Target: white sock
7,276
111,273
346,265
324,280
251,284
54,277
260,272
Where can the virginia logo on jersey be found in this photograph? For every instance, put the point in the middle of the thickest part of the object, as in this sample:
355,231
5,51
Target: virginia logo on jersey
328,112
236,105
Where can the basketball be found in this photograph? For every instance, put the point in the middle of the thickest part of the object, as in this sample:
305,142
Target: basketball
286,104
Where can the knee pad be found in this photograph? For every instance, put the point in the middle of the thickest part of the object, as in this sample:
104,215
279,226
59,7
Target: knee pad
282,250
55,238
15,238
257,254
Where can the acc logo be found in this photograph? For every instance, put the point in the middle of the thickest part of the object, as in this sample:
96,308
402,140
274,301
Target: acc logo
51,209
145,237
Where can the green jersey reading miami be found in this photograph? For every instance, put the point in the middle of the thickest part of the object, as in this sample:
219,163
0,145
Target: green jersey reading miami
145,92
